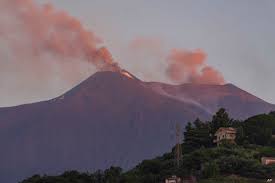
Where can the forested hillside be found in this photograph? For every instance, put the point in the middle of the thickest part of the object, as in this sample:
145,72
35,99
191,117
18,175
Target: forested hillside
201,158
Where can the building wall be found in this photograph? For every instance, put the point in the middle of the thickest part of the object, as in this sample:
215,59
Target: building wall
225,135
268,161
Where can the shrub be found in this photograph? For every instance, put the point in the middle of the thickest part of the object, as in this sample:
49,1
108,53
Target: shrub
210,170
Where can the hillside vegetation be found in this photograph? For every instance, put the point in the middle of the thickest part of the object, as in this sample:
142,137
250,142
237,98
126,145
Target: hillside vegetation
201,158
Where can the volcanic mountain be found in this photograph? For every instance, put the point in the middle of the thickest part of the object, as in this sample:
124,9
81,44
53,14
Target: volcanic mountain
109,119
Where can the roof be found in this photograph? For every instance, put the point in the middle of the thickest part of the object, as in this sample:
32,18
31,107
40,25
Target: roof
228,130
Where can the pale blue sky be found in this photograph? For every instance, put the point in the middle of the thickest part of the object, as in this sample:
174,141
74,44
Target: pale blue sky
238,36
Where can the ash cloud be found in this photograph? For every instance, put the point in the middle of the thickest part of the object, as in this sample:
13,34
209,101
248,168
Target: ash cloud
34,31
177,65
190,67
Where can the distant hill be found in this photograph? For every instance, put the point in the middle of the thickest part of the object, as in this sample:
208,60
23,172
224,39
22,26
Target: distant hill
109,119
239,103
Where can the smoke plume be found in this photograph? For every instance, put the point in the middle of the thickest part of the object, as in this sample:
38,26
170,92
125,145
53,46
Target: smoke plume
176,65
144,57
191,67
44,52
34,31
45,48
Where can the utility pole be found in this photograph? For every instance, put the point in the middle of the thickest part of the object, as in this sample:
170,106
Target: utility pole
178,151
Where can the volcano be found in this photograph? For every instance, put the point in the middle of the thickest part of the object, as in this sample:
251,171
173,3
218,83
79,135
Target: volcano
109,119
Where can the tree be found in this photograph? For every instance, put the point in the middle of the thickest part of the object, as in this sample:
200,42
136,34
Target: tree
112,175
197,136
220,119
258,129
272,113
240,137
33,179
210,169
98,176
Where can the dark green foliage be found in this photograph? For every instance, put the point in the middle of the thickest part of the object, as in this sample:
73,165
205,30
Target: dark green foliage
67,177
197,136
111,175
266,151
258,129
33,179
236,165
272,113
210,169
152,170
220,119
235,160
240,138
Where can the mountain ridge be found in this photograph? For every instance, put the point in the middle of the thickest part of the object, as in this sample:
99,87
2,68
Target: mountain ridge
109,119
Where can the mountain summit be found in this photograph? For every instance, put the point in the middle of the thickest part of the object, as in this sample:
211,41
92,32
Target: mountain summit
109,119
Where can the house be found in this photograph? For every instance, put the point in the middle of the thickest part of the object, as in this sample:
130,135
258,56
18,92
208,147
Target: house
173,179
228,134
267,160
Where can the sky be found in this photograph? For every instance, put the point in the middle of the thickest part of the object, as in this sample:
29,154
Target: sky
237,36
